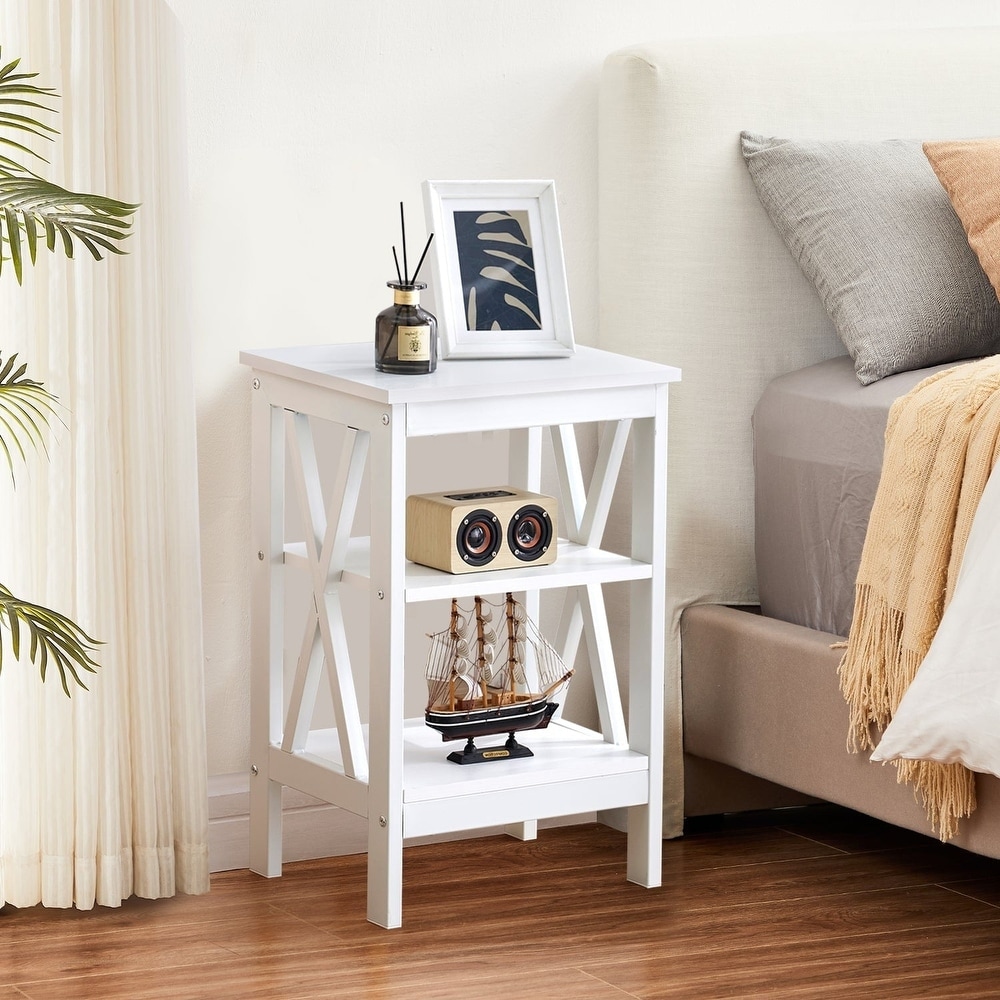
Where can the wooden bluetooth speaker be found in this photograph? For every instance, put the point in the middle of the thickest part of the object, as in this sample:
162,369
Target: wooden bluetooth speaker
474,530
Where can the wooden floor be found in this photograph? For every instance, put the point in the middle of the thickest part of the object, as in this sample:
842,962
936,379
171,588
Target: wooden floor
802,903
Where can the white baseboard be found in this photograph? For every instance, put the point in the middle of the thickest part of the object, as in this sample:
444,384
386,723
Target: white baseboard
310,828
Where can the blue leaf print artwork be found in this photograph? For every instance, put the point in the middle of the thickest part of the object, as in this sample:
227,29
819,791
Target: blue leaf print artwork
497,267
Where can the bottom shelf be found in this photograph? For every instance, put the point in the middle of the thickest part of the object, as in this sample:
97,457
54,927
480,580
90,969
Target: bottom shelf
572,771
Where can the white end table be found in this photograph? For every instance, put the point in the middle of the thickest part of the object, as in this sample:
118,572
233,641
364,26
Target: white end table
393,770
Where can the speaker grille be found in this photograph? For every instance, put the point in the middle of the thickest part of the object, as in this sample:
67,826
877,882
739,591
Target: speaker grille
529,532
478,537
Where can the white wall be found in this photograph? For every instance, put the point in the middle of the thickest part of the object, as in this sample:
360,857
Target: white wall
310,120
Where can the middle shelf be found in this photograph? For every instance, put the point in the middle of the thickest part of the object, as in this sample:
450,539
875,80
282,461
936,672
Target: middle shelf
575,566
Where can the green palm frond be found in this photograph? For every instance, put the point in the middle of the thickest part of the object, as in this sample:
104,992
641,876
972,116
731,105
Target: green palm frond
31,205
20,100
25,409
53,639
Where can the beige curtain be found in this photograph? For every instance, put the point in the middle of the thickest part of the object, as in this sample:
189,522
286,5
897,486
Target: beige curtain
104,795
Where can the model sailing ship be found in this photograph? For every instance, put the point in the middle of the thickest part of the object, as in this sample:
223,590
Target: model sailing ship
478,687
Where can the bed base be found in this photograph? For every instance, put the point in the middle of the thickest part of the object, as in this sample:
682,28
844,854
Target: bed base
765,725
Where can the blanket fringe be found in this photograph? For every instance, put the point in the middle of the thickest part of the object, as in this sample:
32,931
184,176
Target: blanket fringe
876,671
873,682
947,792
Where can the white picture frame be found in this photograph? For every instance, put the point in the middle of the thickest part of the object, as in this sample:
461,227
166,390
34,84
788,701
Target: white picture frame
498,291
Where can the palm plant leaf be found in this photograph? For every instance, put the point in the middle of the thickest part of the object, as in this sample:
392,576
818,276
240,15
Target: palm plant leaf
25,409
29,203
52,639
20,100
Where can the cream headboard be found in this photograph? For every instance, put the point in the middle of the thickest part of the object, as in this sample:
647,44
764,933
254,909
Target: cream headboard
693,274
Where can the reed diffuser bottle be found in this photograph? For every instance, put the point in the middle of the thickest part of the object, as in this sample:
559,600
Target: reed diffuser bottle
406,340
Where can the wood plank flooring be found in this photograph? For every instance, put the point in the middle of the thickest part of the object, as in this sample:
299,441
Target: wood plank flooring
816,902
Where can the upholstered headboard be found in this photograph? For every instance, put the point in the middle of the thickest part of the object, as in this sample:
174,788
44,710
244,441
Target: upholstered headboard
692,272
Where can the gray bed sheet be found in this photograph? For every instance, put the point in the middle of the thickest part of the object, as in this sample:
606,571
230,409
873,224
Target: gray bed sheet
818,438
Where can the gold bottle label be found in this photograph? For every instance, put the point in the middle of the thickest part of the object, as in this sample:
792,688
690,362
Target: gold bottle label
414,343
406,296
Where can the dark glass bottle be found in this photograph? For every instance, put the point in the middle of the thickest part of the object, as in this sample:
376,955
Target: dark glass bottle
406,341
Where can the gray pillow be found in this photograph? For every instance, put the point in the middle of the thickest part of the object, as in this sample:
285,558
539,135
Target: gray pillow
873,229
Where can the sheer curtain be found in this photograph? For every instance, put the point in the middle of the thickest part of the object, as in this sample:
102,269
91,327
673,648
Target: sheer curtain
104,795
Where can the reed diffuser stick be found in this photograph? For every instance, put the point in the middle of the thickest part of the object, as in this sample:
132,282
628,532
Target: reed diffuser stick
402,224
427,246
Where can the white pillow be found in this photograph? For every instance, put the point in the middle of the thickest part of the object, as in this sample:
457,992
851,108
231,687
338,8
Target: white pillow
951,711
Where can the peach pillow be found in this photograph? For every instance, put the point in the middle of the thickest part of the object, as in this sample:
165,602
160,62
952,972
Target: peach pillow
969,170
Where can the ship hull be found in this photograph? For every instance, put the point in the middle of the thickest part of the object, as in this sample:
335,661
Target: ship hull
477,722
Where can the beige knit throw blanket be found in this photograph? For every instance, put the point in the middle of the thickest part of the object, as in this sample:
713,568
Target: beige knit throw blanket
941,442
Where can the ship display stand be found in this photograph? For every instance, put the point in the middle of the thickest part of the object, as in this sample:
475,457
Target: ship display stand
391,769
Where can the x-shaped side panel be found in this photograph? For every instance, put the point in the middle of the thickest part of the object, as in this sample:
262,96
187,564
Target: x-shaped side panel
584,517
324,642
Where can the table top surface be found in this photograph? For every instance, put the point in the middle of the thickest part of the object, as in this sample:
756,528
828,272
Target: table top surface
350,368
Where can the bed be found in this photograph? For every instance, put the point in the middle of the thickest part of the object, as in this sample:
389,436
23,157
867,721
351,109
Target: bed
694,272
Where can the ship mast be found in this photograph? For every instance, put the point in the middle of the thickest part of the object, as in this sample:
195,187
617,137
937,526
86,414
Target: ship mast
481,650
454,634
511,647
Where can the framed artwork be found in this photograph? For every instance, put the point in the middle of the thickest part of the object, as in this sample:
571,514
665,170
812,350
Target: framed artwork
498,279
